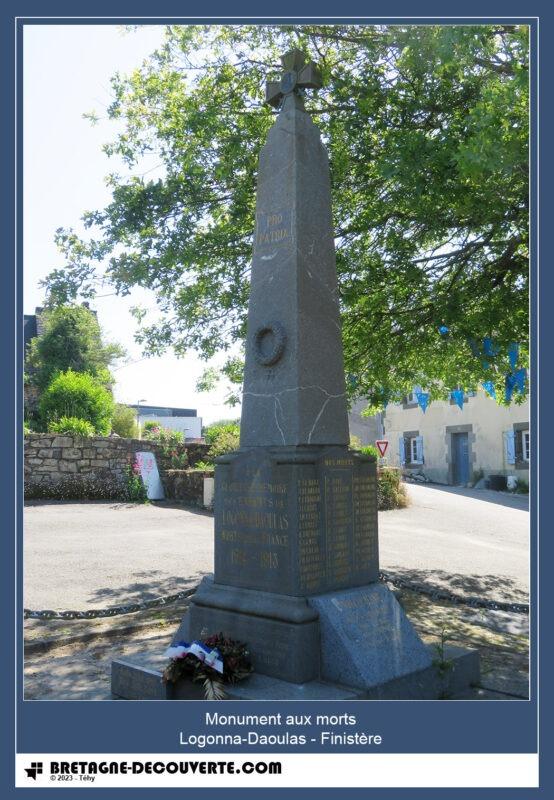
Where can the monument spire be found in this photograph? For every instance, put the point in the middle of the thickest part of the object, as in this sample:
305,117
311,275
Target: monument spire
294,391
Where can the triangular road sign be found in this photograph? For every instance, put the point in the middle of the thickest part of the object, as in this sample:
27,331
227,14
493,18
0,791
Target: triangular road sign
382,445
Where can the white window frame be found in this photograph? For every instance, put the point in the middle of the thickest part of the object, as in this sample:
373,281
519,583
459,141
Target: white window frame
525,445
413,448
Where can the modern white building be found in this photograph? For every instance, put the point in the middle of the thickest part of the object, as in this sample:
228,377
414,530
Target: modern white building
176,419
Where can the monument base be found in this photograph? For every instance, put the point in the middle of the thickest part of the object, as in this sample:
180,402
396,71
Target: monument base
142,680
349,644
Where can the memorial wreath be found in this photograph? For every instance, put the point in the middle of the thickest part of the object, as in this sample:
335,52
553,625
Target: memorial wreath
213,661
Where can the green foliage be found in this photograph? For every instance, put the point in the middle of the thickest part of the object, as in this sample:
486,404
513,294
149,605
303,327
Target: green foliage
73,426
223,437
522,486
172,444
204,466
150,429
215,429
367,449
135,491
74,394
440,662
391,492
71,340
26,429
427,131
124,421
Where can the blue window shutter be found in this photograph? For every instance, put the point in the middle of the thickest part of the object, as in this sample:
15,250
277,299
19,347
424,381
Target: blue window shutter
419,449
510,447
401,451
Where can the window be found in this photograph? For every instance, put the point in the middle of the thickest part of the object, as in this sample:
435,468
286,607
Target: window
525,445
410,447
411,399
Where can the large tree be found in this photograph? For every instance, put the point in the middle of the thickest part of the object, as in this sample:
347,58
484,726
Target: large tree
427,131
71,340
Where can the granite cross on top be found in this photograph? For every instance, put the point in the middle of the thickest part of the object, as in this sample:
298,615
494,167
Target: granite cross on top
297,75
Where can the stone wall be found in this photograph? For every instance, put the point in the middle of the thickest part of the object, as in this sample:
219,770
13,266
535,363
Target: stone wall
187,487
70,466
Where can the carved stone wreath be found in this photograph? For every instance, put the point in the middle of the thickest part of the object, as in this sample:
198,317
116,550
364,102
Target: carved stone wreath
264,356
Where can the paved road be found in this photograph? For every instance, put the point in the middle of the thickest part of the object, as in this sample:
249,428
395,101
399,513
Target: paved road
474,542
94,555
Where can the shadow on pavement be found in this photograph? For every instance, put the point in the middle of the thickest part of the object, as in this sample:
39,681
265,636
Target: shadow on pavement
487,587
150,587
516,501
172,504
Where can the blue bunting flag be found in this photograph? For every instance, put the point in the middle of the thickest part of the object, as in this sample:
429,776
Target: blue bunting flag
510,385
489,348
519,379
458,397
513,354
488,386
422,400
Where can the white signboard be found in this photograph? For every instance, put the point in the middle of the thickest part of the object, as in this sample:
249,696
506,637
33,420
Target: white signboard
150,476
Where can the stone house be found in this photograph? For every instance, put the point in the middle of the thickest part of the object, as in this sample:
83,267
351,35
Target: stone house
451,445
366,429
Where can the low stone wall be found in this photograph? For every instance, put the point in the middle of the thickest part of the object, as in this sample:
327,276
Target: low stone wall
71,466
192,488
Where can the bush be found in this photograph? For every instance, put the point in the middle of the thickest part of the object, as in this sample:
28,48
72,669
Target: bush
203,466
82,487
72,426
370,450
171,442
151,429
391,492
75,394
135,491
124,422
223,437
26,429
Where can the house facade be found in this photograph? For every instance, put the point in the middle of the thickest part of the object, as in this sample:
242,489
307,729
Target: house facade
454,446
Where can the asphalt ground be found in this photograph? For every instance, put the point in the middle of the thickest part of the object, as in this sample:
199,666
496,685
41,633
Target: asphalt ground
95,555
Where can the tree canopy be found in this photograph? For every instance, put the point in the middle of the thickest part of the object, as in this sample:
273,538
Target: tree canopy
427,133
71,339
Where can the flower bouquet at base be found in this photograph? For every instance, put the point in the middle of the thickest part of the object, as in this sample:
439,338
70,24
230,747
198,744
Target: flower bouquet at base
213,662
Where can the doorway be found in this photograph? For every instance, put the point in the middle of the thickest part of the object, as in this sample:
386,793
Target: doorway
460,459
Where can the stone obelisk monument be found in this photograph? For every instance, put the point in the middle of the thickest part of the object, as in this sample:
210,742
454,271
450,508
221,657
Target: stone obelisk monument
296,550
295,509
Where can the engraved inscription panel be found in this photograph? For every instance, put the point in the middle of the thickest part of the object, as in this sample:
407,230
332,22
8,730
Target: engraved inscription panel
312,568
297,528
337,525
252,528
273,230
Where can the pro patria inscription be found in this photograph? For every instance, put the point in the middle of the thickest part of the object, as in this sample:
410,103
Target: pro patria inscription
273,229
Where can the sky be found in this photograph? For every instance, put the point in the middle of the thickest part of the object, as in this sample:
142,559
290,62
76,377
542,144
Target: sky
67,71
